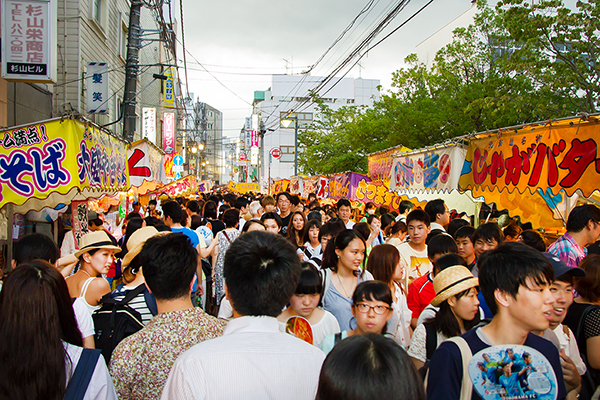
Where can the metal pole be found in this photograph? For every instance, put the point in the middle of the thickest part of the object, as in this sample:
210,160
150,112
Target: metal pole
270,172
296,145
131,70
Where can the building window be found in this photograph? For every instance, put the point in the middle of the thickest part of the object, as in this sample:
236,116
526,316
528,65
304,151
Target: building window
99,15
97,11
287,154
123,44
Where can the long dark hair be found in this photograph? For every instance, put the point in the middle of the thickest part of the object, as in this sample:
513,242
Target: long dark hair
341,241
36,315
445,321
293,235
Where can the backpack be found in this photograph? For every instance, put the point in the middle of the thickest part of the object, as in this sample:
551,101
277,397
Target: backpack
430,346
115,320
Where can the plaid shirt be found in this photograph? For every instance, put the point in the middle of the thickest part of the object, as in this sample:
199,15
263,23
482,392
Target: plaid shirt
568,250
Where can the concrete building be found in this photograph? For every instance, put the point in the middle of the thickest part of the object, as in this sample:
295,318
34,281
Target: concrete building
289,94
95,31
207,130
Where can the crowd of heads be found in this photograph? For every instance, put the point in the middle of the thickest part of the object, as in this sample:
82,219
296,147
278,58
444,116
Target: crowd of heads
268,268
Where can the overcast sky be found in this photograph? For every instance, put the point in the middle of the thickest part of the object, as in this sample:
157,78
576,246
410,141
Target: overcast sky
243,42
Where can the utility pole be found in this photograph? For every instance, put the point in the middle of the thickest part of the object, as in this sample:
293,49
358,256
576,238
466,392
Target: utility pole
131,70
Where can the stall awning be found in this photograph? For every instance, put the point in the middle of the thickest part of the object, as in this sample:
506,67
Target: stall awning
146,166
181,187
57,161
535,170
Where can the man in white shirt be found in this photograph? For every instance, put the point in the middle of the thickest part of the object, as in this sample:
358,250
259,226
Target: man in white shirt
414,253
344,209
253,359
439,215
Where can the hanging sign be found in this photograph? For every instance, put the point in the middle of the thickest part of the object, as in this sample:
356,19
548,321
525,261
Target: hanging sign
169,88
97,88
169,132
149,123
29,40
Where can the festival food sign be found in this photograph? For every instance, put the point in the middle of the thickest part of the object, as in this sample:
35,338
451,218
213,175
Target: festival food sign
204,186
56,156
282,185
180,187
244,187
145,163
557,155
343,186
296,184
380,163
432,170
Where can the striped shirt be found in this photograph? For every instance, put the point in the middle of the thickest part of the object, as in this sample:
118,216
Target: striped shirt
138,303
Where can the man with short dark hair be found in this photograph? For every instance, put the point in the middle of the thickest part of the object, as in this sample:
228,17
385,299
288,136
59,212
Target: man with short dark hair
272,222
140,364
439,216
252,359
414,253
515,280
583,229
344,211
284,203
404,208
173,216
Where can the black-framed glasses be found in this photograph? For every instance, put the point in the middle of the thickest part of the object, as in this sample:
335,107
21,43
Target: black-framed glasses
364,308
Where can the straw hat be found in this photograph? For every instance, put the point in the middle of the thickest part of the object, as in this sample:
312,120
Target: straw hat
136,241
95,240
451,282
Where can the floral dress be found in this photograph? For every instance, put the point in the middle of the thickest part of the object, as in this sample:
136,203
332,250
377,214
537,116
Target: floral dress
224,238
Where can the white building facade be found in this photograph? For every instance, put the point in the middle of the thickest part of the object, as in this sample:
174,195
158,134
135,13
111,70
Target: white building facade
289,95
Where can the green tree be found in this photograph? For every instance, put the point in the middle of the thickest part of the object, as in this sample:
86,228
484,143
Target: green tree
517,63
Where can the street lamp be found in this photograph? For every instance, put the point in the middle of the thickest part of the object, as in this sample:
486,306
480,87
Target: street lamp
194,150
286,124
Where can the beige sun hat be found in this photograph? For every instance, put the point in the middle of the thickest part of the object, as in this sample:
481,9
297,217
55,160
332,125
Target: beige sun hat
451,282
95,240
136,241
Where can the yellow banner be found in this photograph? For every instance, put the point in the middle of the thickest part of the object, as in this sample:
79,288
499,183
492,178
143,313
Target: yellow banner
180,187
380,163
169,89
244,187
57,156
282,185
558,155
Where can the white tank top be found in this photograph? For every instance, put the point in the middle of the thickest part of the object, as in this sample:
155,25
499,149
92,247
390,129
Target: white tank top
82,299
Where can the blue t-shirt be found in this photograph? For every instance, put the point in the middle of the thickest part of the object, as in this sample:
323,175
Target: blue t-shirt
446,370
189,233
511,384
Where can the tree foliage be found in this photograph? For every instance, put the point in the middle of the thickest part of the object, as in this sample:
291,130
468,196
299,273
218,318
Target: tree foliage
517,63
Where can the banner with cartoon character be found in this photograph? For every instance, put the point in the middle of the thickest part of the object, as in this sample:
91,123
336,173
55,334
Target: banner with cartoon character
428,170
41,163
296,185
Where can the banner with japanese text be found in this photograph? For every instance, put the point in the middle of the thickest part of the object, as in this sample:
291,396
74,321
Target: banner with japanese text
244,187
431,170
296,185
560,155
309,185
145,164
282,185
181,187
204,186
56,156
380,163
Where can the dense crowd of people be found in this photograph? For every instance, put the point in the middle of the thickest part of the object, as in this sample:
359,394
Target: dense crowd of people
264,297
